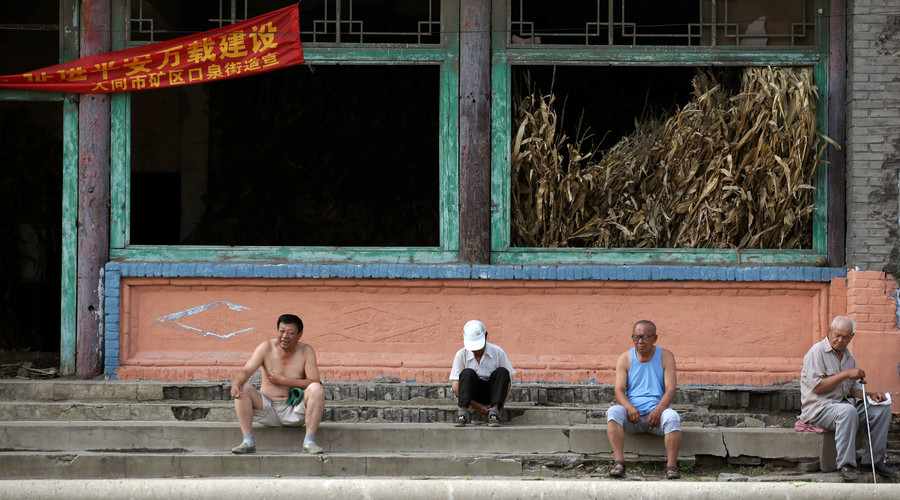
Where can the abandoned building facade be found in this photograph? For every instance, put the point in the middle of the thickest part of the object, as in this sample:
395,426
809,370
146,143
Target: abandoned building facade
725,168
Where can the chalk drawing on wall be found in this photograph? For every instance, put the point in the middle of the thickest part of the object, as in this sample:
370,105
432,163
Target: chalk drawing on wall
175,319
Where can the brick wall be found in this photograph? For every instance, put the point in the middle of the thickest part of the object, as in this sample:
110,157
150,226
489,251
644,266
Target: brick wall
872,301
873,135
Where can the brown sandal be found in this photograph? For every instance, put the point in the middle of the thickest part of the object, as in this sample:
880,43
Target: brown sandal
672,472
618,469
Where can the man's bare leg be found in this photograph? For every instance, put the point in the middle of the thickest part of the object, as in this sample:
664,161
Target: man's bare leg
314,399
244,405
673,444
616,435
249,400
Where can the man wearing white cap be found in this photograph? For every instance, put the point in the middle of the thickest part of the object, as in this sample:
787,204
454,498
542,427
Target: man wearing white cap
480,375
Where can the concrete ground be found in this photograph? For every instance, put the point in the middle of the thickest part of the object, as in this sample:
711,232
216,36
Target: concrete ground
693,472
423,488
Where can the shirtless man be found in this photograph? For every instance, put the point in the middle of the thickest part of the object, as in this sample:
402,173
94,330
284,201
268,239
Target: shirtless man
286,363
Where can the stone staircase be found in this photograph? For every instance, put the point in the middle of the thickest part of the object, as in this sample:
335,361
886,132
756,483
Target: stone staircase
118,429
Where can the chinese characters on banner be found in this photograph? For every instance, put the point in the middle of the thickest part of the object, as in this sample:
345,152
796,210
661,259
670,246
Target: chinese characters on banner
263,43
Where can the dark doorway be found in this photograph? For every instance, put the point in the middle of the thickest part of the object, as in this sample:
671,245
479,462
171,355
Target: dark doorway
30,225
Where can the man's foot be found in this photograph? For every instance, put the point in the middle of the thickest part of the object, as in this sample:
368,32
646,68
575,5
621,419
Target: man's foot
885,471
312,448
461,420
244,448
848,473
618,469
493,420
672,472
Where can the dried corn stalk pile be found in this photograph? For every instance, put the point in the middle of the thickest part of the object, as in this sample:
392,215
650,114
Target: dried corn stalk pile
725,171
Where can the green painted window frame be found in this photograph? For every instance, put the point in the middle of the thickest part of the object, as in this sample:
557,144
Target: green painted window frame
445,55
503,57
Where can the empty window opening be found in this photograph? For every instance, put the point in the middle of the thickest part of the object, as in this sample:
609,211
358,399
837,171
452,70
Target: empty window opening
333,156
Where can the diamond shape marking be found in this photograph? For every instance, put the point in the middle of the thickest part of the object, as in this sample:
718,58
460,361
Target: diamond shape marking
172,320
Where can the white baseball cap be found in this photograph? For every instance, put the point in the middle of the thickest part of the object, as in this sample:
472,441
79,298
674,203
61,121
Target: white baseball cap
473,335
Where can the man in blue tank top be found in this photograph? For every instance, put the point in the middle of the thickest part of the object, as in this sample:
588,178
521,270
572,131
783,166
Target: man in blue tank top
644,388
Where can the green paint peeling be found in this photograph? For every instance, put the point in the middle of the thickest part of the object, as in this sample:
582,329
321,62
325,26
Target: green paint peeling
69,244
595,256
278,255
120,177
449,127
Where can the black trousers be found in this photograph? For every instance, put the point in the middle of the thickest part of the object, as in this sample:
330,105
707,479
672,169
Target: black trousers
490,392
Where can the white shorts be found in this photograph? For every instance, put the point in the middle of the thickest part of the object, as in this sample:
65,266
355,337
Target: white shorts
669,421
279,414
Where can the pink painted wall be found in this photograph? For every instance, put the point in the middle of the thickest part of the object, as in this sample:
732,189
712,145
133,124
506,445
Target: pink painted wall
872,303
721,332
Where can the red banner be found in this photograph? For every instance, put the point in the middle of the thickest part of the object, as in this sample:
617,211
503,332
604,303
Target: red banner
263,43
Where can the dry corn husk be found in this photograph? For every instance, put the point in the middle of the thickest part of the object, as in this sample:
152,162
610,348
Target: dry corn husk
727,170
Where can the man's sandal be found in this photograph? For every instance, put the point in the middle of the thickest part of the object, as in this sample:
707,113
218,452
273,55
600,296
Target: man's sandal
672,472
618,469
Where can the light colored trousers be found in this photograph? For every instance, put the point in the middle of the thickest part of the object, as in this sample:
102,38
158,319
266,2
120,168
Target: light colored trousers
845,420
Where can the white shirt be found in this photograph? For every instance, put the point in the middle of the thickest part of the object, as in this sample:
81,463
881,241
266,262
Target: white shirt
494,357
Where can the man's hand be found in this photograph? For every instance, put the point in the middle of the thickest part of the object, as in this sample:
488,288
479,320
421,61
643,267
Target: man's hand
877,396
236,390
855,373
634,416
277,378
480,408
654,417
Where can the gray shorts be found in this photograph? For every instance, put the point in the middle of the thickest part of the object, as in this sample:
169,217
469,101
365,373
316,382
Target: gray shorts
279,414
669,421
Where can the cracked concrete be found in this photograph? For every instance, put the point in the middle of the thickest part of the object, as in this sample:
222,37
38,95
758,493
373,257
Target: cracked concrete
401,488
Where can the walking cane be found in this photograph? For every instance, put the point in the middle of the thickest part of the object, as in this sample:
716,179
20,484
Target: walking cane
862,382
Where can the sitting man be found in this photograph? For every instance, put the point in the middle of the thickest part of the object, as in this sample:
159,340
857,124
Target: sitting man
831,397
286,364
645,387
480,375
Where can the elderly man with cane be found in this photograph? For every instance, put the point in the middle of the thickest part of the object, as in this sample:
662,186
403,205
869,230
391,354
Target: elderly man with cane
831,396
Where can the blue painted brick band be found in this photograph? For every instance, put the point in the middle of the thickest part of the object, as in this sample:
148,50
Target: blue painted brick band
501,272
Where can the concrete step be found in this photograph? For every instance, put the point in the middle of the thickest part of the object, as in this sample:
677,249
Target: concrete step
766,487
107,391
216,437
763,399
342,411
115,465
188,449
